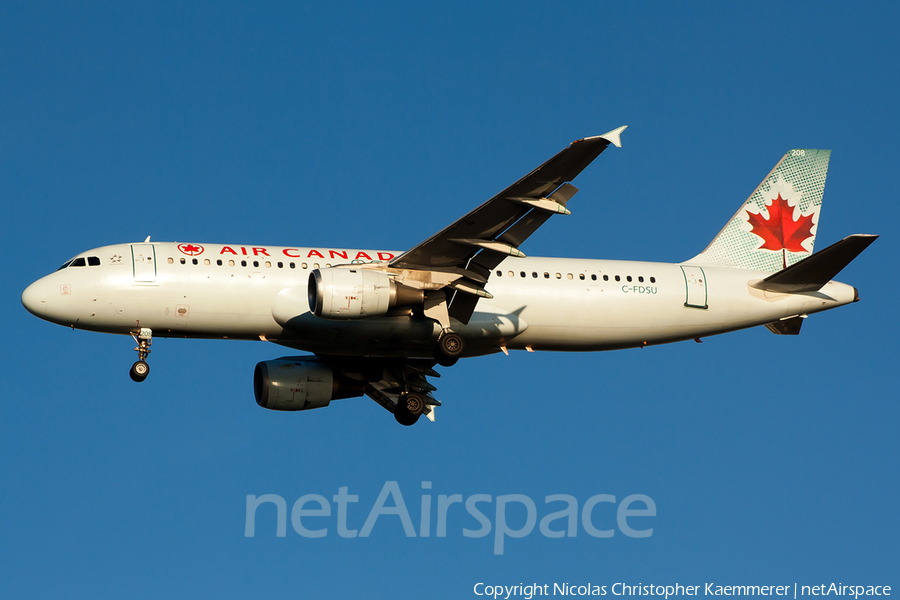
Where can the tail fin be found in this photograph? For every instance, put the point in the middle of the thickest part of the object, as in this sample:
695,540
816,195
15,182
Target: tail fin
776,226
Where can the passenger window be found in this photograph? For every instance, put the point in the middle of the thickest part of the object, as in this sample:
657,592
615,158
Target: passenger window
255,263
606,278
194,261
230,263
315,265
628,279
618,278
546,275
569,276
641,279
304,265
522,273
280,265
183,261
558,276
653,280
243,263
534,274
206,262
268,265
171,261
593,277
292,266
499,273
581,276
327,265
219,262
93,261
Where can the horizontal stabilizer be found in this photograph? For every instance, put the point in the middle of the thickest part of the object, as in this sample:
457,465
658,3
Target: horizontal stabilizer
813,272
786,326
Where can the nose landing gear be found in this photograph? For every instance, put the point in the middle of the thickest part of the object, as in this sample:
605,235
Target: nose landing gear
141,369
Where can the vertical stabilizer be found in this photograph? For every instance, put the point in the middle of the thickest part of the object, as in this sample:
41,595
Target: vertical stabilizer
776,226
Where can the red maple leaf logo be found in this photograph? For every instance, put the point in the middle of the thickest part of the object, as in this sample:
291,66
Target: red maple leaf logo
780,231
191,249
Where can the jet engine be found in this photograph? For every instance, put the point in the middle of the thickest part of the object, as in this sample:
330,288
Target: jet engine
357,293
301,384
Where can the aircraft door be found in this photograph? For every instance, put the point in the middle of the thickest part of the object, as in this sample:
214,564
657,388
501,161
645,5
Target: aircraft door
695,287
144,257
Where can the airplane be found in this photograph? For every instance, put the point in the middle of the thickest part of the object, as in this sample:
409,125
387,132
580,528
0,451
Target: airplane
377,322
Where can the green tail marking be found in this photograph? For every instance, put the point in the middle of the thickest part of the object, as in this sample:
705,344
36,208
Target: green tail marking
776,226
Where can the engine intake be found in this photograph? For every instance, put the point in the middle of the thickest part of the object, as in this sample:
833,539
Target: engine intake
301,384
357,294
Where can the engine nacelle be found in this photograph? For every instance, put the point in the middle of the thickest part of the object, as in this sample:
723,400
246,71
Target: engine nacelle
301,384
357,293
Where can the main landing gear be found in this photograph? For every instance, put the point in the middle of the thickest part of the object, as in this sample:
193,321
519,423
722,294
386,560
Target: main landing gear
449,348
141,369
409,408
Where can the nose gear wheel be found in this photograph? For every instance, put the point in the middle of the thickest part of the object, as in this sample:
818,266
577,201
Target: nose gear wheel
139,371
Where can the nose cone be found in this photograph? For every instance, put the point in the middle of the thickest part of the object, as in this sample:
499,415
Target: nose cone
34,298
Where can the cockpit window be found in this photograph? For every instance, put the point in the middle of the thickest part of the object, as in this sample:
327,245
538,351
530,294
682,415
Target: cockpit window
78,262
93,261
66,264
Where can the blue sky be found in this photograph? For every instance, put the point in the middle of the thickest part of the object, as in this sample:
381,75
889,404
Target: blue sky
769,459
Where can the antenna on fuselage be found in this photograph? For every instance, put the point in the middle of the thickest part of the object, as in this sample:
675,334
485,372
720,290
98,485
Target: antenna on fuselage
147,240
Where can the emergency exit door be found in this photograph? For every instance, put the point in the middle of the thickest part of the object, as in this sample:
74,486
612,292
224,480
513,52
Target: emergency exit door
695,287
144,259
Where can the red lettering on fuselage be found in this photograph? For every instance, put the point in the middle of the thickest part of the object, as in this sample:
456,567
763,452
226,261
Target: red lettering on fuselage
296,253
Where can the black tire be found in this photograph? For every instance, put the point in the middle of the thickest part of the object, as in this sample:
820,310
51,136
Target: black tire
414,404
444,360
139,371
404,417
451,345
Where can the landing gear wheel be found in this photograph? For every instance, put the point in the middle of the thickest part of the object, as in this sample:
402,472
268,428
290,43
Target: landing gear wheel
139,371
414,404
404,418
409,409
451,344
444,360
449,348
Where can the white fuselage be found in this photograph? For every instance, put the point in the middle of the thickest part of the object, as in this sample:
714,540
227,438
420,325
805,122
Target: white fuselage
247,292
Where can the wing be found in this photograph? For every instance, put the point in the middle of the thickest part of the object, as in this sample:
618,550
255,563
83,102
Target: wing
475,244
